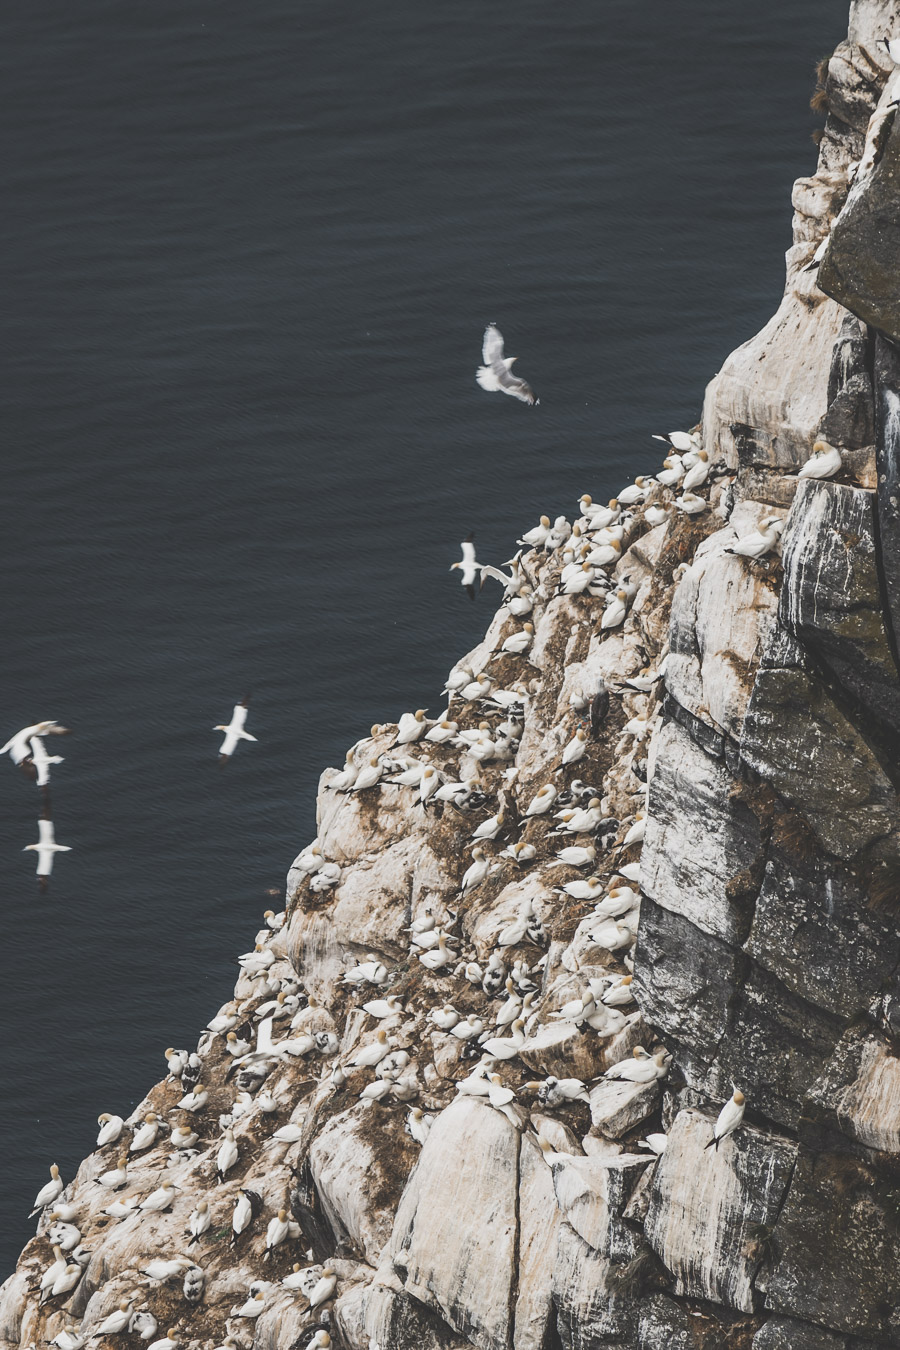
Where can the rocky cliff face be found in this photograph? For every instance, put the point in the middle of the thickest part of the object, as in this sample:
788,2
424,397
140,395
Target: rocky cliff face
415,1165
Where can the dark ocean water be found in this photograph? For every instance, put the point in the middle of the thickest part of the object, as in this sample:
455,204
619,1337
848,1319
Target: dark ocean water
247,255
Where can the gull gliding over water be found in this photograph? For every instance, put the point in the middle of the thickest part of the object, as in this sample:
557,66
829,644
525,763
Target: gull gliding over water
496,373
234,731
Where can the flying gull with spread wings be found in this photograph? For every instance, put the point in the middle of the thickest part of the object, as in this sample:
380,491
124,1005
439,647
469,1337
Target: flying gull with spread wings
496,373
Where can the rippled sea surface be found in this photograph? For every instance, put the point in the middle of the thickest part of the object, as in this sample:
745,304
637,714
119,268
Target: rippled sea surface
247,256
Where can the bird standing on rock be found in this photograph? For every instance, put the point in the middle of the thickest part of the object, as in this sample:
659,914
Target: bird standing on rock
729,1119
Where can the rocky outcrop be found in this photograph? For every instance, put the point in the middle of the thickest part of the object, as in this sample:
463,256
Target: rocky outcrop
649,855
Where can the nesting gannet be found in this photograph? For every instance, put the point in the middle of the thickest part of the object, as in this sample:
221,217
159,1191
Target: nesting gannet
615,610
45,850
642,1067
116,1176
159,1199
577,855
681,441
411,726
438,956
496,373
69,1339
384,1007
48,1193
825,462
277,1231
553,1091
145,1135
759,542
691,504
445,1018
161,1270
617,903
637,831
620,994
324,1288
541,801
468,1028
110,1128
168,1342
503,1047
196,1099
63,1235
518,643
52,1273
234,731
322,1341
116,1321
288,1134
581,820
200,1220
635,492
520,853
42,761
368,775
227,1155
371,1054
477,871
729,1119
66,1280
247,1206
18,747
587,889
538,536
183,1137
498,1095
576,748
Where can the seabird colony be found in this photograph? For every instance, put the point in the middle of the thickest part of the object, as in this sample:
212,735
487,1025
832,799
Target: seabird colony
240,1077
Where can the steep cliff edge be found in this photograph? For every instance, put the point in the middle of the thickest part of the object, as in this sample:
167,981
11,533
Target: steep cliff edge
732,907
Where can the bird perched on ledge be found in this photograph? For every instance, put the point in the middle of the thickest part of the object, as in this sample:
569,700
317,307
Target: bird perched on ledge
496,374
730,1117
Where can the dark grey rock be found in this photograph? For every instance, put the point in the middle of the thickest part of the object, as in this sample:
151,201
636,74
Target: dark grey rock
703,842
797,738
667,1325
711,1210
775,1047
887,410
850,419
684,979
857,1098
784,1333
831,597
594,1300
837,1247
813,930
861,266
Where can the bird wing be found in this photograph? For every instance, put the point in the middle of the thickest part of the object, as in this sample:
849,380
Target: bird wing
511,384
492,350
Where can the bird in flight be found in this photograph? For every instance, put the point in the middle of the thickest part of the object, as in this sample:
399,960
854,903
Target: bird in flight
469,567
496,373
234,731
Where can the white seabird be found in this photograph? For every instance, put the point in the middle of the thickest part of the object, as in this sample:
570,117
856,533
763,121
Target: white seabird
48,1193
496,373
234,731
469,567
18,747
824,462
42,761
729,1119
45,850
